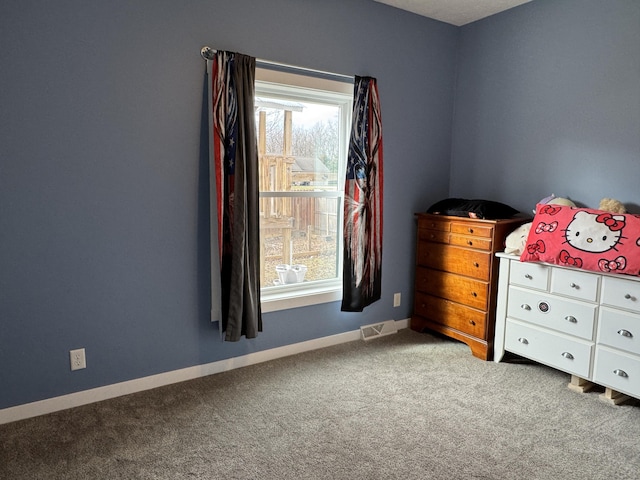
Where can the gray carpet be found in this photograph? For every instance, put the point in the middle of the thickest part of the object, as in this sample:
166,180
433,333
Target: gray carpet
405,406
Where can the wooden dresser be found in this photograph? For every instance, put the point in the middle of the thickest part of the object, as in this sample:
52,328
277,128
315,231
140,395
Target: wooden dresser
456,277
581,322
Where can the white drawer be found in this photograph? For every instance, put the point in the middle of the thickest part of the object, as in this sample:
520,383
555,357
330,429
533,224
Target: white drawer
528,274
554,349
617,370
619,329
575,284
621,292
543,309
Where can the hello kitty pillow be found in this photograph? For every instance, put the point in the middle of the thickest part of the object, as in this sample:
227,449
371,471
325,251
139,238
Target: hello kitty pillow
584,238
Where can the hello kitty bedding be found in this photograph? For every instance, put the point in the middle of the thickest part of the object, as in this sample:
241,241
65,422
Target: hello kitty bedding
584,238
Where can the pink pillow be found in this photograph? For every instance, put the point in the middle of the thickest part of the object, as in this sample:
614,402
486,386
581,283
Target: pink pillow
584,238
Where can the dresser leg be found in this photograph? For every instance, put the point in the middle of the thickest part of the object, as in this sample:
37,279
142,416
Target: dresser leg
580,385
613,397
483,352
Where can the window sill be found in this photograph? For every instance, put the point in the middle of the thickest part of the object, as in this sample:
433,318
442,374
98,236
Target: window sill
284,300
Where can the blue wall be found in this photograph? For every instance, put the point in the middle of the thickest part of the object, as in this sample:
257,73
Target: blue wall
548,101
103,201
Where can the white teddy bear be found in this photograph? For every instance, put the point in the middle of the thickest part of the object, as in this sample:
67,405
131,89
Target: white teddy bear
516,240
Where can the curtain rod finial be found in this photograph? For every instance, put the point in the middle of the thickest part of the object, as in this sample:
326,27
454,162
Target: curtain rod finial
207,53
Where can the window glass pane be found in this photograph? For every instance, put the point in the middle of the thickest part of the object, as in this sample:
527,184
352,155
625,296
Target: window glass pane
301,247
306,136
302,151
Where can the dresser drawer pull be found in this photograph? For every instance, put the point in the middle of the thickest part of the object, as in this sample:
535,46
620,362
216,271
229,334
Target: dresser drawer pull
476,264
629,297
471,230
471,322
571,319
625,333
573,285
474,294
567,355
523,341
469,242
524,306
620,373
528,277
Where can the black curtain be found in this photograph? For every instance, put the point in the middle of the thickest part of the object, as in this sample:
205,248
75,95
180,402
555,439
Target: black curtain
362,271
234,194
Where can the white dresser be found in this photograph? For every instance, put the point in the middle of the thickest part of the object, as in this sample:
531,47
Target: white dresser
584,323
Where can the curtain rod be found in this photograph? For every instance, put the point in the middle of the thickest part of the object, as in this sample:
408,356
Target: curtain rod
208,53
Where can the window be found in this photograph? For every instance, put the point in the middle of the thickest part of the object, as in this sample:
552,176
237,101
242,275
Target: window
302,124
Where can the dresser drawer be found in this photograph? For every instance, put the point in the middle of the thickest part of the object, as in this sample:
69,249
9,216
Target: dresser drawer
617,370
531,275
619,329
439,236
471,242
450,314
464,261
562,314
575,284
465,290
620,292
472,229
434,224
554,349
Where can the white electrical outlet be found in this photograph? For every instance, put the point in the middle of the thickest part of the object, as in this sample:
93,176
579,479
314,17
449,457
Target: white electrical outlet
396,299
78,359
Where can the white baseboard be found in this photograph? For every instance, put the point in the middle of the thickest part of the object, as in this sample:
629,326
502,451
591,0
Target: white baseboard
55,404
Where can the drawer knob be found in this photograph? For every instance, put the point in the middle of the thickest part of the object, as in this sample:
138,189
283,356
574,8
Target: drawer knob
469,242
573,285
474,294
628,296
471,322
625,333
523,341
620,373
524,306
528,277
471,230
476,264
567,355
571,319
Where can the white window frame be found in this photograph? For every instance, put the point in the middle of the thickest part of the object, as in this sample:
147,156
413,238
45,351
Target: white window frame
276,83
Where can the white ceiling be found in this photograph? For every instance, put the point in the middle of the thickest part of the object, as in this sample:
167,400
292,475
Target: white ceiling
455,12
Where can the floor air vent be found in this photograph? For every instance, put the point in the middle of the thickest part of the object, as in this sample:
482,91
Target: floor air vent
376,330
